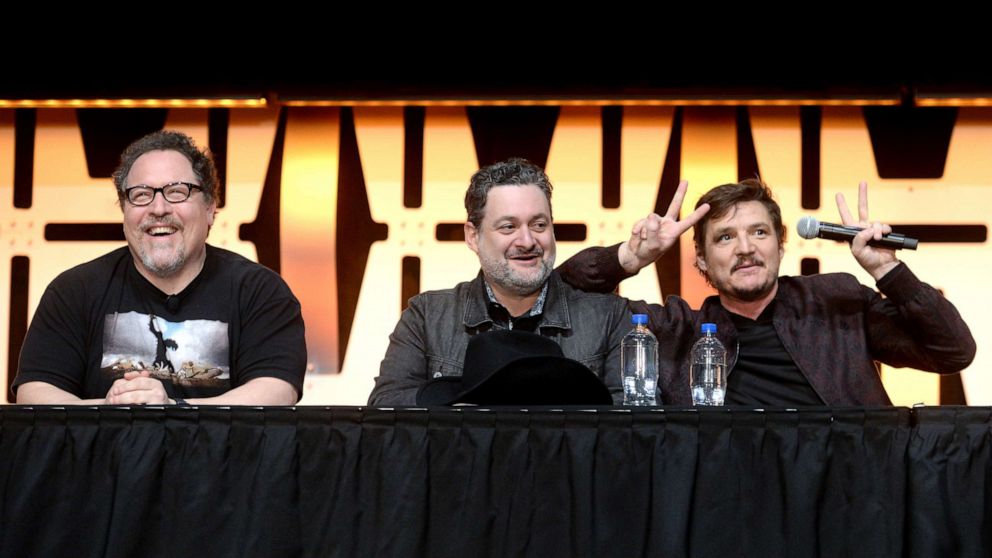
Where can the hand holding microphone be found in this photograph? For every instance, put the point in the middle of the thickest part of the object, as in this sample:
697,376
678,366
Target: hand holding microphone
809,227
868,245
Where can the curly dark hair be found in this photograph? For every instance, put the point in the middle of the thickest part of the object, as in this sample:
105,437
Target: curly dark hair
514,171
168,140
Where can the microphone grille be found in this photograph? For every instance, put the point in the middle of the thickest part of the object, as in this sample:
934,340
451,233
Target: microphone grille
808,227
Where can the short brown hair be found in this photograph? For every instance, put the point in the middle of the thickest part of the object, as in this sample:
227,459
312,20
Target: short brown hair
724,198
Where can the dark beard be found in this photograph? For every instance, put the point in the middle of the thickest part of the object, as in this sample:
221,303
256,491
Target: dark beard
756,293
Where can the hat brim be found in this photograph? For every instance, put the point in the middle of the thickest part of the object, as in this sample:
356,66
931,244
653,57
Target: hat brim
539,380
440,391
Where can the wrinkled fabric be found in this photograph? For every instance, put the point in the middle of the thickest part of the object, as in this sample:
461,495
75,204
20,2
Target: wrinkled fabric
470,482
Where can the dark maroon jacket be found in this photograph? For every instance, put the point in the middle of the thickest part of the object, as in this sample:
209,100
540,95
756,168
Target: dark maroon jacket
834,328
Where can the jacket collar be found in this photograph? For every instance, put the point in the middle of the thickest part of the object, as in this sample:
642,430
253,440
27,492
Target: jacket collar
555,304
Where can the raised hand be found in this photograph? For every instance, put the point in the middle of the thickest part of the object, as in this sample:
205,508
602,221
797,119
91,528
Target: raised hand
875,260
654,235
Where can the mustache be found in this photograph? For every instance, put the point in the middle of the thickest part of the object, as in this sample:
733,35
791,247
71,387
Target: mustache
743,261
538,252
162,222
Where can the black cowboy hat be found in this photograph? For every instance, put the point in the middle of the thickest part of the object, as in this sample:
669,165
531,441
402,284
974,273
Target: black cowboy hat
508,367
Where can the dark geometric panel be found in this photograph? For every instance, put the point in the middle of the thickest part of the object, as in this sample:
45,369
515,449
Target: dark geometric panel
24,129
450,232
413,156
218,122
503,132
747,156
355,231
669,264
570,232
264,230
943,233
809,266
952,390
107,132
18,326
612,132
85,232
910,142
564,232
410,285
810,123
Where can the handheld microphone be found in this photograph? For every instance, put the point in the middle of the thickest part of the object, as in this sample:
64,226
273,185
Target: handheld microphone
809,227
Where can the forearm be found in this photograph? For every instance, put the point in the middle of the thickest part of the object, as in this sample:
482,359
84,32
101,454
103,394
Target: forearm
41,393
939,339
259,391
400,377
630,261
879,272
595,269
403,370
393,395
612,375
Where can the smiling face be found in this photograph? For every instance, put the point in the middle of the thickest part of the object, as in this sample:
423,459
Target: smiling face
515,240
742,253
167,240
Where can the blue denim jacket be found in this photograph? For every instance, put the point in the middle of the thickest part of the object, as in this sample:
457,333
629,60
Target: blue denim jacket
430,339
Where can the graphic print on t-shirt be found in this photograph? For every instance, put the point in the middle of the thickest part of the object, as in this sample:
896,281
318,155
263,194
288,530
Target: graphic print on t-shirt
189,353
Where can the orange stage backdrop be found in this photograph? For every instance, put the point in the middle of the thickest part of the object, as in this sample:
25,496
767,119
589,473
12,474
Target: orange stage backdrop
361,207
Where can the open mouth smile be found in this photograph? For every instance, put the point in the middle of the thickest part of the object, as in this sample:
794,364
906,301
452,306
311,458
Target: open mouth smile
160,229
526,258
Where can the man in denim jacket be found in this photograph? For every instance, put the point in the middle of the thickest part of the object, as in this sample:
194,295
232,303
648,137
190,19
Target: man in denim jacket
510,228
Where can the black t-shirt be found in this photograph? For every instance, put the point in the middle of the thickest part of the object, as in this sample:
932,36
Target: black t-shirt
235,322
764,373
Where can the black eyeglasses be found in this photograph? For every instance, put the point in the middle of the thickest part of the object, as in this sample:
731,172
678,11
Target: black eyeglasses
174,192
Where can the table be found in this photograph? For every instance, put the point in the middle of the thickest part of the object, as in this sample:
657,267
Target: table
352,481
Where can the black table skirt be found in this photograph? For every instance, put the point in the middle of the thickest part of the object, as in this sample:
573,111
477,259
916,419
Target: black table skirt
319,481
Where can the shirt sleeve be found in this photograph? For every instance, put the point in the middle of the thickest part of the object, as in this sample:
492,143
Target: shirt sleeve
404,368
54,349
914,325
272,340
595,269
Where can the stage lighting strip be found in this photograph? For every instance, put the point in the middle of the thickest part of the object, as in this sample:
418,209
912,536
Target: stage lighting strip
585,102
133,103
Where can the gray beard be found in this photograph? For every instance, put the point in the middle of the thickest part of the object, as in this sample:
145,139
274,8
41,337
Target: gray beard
505,278
163,271
521,285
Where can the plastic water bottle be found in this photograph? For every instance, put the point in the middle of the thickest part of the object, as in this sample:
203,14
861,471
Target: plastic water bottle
708,376
639,361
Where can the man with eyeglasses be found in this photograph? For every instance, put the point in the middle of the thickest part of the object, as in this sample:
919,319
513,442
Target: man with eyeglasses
166,319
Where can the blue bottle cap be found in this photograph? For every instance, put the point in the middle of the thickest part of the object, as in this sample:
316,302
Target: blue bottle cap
639,319
708,328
